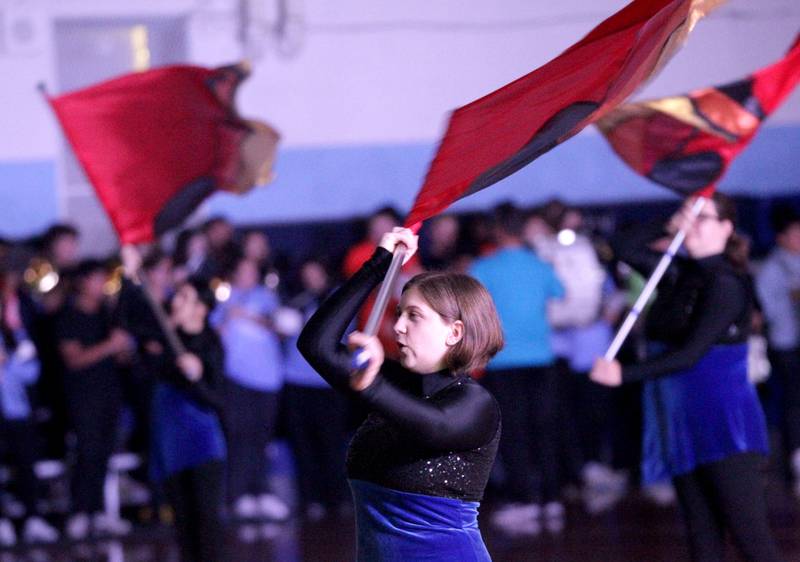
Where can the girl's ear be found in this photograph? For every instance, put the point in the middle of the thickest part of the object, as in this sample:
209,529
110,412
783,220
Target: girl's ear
456,333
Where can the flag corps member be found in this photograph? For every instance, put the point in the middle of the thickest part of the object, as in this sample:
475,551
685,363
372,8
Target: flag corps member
420,462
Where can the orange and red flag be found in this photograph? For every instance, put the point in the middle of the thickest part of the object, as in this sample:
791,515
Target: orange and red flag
687,142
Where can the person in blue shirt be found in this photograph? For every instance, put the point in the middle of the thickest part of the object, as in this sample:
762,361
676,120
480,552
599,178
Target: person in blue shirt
254,377
316,413
522,375
19,369
778,286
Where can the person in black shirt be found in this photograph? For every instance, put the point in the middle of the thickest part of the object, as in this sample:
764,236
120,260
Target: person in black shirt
90,347
419,464
703,424
188,447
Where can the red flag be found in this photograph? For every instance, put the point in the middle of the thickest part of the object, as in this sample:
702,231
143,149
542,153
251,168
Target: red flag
155,144
687,142
502,132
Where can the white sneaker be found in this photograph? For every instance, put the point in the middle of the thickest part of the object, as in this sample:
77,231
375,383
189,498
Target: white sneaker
518,520
77,527
272,507
553,510
600,501
8,536
516,513
132,492
598,476
103,524
661,494
246,507
38,530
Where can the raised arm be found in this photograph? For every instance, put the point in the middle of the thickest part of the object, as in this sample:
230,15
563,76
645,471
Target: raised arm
320,342
466,418
721,305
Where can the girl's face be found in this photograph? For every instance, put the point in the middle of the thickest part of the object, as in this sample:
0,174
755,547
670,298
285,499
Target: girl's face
93,284
708,235
314,277
423,336
187,308
246,275
160,276
256,246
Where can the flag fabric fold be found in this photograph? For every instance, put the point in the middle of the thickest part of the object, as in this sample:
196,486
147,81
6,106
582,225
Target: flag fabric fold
687,142
155,144
498,134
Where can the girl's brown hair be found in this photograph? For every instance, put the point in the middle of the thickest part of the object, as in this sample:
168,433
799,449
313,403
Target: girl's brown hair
455,296
737,248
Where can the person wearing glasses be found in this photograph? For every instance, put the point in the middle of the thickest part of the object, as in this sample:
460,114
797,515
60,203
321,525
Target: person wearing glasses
703,425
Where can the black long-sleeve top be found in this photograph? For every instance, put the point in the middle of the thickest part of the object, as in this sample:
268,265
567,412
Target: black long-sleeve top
433,434
700,303
138,318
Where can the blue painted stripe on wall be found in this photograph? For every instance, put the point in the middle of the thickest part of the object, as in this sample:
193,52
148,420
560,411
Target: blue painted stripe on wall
320,183
28,198
339,182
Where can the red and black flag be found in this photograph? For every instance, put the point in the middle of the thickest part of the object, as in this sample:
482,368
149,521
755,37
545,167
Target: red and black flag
155,144
687,142
500,133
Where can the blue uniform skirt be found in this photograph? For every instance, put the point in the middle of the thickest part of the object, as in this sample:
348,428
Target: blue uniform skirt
701,415
404,527
183,434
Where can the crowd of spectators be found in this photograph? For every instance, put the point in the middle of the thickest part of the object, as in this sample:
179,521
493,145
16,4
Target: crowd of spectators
81,381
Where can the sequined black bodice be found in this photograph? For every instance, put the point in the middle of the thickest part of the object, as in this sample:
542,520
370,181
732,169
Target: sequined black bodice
384,454
433,434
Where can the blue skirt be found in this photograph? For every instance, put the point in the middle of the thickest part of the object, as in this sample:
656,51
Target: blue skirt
183,434
701,415
404,527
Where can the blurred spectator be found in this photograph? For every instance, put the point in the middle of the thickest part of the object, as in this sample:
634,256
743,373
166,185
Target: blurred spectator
51,285
381,222
317,415
137,317
19,370
581,332
254,377
90,346
222,249
521,376
439,245
191,255
778,286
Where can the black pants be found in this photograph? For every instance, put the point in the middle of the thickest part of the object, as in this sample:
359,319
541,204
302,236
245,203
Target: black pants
137,387
250,417
95,420
786,383
726,495
317,419
528,401
196,495
22,445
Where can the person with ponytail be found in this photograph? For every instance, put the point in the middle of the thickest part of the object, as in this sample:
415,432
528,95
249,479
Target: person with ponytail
703,425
